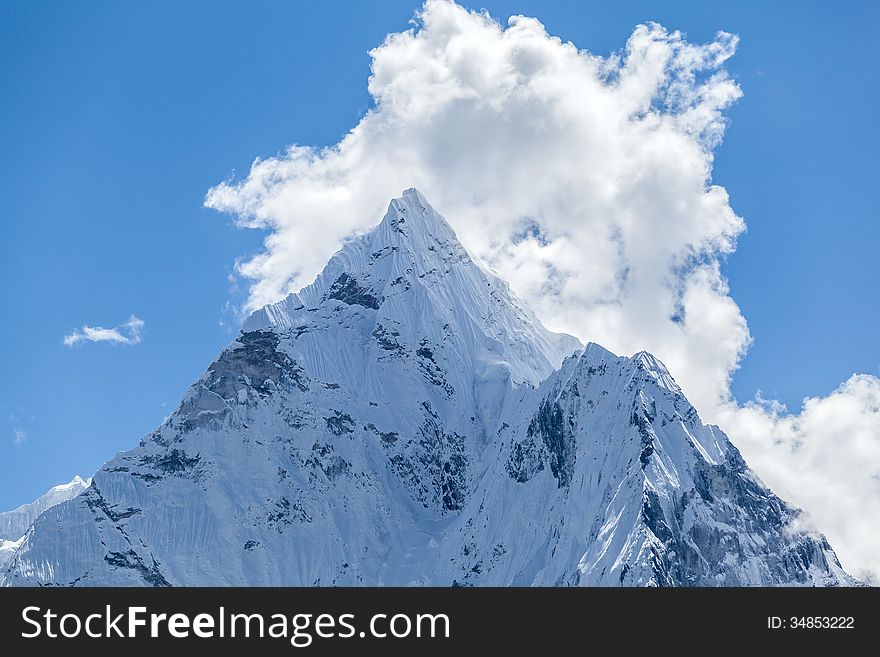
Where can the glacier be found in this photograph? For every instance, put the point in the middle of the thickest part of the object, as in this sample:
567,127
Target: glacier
406,420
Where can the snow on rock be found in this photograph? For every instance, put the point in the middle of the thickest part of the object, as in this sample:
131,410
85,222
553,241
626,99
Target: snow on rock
405,420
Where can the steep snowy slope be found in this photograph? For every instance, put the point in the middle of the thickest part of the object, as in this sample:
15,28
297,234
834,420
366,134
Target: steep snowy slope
404,420
340,422
605,476
14,524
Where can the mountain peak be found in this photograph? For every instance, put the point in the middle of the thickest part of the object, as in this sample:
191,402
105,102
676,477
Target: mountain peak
413,246
656,370
405,420
411,216
412,195
411,272
76,482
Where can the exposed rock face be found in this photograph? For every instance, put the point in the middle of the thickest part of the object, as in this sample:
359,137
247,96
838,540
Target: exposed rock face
404,420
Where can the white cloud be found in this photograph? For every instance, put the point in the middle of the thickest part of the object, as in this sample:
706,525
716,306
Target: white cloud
586,182
19,436
826,459
126,333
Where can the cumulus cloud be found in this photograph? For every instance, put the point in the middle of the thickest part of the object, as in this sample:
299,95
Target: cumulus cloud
19,436
126,333
585,181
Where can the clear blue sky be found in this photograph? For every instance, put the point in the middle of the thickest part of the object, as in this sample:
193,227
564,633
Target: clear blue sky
115,118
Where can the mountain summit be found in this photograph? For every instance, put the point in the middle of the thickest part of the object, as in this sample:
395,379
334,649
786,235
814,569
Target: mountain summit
413,272
405,420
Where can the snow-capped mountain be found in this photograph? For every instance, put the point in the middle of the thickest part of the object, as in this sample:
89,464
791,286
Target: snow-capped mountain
14,524
405,420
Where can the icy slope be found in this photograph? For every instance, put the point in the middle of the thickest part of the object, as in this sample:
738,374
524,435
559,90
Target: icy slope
14,524
404,420
605,476
411,269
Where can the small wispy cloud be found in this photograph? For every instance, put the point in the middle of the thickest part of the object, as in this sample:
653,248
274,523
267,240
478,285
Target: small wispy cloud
127,333
19,436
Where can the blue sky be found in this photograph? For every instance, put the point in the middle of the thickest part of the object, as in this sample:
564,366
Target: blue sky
116,118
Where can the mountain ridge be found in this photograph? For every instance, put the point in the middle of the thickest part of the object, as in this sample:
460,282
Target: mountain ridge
405,420
16,523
